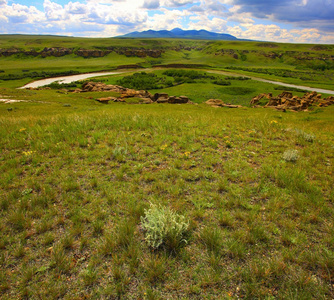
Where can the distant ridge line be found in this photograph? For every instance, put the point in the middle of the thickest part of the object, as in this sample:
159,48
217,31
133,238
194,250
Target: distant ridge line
178,33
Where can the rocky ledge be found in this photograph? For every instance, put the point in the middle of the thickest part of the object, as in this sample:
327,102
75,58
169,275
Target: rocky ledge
86,53
286,101
220,103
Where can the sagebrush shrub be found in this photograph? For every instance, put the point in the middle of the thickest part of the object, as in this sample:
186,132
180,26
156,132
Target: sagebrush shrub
290,155
305,136
164,228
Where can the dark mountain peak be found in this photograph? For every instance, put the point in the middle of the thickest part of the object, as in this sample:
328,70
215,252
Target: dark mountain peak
179,33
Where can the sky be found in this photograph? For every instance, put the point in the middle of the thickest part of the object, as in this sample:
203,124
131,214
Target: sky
294,21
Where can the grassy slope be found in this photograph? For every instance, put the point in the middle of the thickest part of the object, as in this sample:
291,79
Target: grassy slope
76,180
78,175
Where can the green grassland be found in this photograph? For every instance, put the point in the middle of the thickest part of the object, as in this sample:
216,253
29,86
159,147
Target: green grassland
252,188
79,175
302,64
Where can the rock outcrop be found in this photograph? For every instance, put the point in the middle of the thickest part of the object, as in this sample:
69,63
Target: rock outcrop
106,100
56,52
220,103
144,97
178,100
286,101
92,53
160,97
86,53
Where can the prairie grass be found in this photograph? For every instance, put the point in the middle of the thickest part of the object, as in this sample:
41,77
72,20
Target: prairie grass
76,183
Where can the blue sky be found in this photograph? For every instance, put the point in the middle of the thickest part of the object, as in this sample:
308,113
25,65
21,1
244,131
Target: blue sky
298,21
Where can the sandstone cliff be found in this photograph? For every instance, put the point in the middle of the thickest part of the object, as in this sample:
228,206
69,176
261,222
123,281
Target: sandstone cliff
87,53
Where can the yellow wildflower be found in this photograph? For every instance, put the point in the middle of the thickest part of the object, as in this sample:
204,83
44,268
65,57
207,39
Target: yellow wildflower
22,129
27,153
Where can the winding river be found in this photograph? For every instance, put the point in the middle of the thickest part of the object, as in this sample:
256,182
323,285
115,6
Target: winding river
72,78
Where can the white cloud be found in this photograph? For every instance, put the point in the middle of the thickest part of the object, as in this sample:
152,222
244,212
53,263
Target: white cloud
151,4
275,33
53,11
168,20
76,8
176,3
211,7
115,17
203,22
261,32
18,13
301,13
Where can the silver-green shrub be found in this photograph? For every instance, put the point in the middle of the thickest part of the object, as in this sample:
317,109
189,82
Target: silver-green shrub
290,155
164,228
308,137
305,136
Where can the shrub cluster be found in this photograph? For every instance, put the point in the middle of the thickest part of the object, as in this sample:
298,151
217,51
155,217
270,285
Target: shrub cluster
276,72
221,82
164,228
237,78
187,76
143,81
308,137
57,85
290,155
42,74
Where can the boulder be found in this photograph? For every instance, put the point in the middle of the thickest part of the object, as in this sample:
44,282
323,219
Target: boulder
257,99
274,101
125,92
221,103
162,100
160,96
214,102
285,95
146,101
129,93
178,100
106,99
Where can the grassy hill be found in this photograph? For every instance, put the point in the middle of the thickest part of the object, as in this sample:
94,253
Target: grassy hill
79,176
161,201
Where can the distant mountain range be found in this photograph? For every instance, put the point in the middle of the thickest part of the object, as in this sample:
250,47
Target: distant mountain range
178,33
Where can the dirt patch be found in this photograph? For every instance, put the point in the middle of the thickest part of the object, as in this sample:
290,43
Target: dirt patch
9,101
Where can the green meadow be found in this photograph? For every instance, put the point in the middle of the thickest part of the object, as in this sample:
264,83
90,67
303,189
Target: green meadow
302,64
162,201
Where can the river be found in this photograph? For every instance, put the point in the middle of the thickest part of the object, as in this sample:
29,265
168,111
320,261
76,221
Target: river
68,79
72,78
